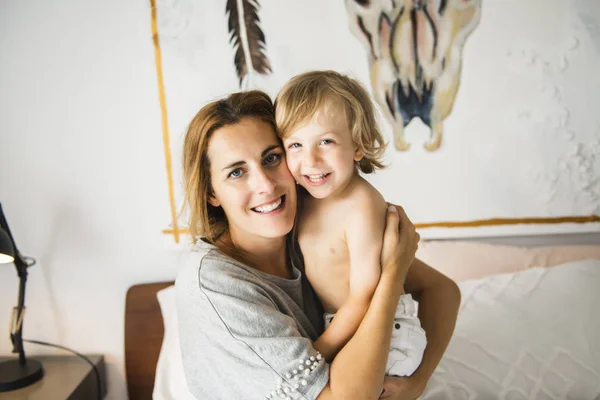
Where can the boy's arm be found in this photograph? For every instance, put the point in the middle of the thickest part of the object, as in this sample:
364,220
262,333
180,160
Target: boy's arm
364,233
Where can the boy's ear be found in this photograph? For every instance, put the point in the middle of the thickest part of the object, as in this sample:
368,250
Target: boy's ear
213,201
358,155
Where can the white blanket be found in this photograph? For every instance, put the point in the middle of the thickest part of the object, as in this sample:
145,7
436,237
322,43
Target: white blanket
528,335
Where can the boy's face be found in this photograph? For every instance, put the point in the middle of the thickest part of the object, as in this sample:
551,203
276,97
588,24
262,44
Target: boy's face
321,154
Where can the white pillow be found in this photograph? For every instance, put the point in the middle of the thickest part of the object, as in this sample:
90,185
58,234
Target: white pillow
170,383
533,334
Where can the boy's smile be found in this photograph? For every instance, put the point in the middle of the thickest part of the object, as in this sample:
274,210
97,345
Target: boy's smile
317,180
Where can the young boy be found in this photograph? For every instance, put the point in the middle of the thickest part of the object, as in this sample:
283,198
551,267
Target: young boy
329,131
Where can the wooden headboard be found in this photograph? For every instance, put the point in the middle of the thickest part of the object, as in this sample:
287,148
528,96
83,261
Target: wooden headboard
143,338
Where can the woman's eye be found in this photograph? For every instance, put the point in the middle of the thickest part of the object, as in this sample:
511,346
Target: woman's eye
236,173
273,158
326,141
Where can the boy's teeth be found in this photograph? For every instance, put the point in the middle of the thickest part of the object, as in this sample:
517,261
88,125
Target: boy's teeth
269,207
316,178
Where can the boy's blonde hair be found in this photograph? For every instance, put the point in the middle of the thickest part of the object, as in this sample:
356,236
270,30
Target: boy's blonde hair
306,94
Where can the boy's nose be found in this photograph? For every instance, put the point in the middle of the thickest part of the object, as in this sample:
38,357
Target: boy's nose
311,159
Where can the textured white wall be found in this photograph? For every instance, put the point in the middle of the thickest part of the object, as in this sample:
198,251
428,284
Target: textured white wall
523,139
82,176
82,173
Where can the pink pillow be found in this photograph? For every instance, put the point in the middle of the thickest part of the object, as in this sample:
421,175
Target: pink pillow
470,260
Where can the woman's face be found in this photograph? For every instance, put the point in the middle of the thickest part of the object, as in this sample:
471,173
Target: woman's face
251,181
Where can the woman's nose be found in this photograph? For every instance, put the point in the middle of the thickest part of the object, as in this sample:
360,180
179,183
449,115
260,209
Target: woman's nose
263,182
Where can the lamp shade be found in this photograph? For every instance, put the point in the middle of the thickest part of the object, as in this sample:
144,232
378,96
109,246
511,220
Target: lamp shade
7,251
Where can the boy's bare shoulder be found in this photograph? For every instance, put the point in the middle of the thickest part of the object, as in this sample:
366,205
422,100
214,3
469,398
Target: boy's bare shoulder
365,221
364,205
364,195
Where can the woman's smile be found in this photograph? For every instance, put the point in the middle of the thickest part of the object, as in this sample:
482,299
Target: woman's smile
271,207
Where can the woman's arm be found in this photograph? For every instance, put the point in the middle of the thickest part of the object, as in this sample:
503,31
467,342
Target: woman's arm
439,299
359,368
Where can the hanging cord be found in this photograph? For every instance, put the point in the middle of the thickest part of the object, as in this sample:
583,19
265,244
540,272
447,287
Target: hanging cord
96,372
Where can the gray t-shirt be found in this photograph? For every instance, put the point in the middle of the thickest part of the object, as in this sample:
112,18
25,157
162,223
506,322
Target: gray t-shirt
246,334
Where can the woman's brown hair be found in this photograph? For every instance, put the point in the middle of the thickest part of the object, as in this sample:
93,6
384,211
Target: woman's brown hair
205,220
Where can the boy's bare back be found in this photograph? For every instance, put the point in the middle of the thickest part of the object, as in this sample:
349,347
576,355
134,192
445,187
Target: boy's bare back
325,230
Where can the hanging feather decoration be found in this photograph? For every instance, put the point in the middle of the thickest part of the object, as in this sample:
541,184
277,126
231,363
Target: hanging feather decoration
247,38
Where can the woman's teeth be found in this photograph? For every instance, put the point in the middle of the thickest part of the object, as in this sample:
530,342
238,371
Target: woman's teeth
316,178
270,207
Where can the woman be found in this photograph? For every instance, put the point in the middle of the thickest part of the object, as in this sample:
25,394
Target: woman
247,316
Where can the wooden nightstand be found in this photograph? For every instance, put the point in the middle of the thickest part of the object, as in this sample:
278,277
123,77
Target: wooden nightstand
65,377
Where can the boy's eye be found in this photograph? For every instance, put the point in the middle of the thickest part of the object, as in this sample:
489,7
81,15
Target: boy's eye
326,141
236,173
294,146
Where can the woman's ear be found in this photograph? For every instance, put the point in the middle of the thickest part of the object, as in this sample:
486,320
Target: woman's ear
358,155
213,201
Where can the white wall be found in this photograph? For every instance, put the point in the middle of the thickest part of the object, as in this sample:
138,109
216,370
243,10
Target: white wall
82,176
522,141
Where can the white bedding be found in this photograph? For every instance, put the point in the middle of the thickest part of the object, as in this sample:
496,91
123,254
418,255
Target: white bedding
528,335
532,334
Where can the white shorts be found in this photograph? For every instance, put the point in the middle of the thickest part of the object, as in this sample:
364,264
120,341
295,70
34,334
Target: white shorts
408,339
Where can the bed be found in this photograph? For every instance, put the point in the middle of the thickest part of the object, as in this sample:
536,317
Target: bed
493,262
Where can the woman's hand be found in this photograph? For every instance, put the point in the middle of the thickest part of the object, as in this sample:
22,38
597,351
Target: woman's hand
401,387
400,243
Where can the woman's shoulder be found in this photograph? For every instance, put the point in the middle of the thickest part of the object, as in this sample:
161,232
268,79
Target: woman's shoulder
207,266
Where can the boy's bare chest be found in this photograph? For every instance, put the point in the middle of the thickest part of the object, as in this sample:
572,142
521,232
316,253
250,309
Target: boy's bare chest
321,232
324,246
326,258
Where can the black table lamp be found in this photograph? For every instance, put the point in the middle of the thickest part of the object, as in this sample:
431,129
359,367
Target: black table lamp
21,372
